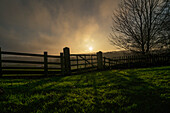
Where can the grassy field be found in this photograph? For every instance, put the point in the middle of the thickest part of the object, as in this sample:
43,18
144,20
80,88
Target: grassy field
144,90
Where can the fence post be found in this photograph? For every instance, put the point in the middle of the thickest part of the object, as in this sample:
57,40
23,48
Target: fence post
99,61
45,64
85,61
62,63
109,64
104,63
67,61
0,63
77,60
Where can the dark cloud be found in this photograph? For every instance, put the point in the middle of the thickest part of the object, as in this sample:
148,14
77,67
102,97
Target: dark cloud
39,25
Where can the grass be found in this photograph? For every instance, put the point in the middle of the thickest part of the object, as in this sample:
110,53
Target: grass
144,90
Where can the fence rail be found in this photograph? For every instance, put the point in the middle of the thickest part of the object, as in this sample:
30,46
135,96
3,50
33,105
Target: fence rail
23,54
20,67
83,62
67,64
137,61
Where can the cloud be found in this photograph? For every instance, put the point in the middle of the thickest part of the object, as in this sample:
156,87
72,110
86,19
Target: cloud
37,26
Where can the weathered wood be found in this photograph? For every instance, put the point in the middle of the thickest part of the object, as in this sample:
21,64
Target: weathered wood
104,62
19,61
67,61
29,72
55,63
12,67
77,61
22,72
56,68
87,68
85,61
99,61
0,63
83,55
53,56
91,59
54,72
109,64
78,64
23,54
45,64
62,63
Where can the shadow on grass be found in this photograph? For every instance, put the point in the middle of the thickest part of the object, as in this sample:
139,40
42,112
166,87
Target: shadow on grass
29,99
146,96
156,69
128,92
114,91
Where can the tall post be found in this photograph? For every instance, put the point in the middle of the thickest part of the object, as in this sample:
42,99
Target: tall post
45,64
85,61
99,61
109,64
92,60
0,63
67,61
77,62
104,63
62,63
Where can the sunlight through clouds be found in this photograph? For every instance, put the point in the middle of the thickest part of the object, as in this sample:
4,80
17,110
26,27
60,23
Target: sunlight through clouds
39,26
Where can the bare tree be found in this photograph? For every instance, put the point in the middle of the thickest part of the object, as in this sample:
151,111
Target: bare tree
141,25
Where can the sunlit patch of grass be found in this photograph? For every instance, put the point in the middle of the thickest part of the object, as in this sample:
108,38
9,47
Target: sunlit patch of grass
119,91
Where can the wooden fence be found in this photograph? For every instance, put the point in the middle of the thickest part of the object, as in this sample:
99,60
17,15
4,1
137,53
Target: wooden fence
64,64
78,63
23,67
136,61
83,62
67,64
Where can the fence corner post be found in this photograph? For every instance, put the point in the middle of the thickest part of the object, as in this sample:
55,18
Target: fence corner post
0,63
99,61
45,64
62,63
104,62
67,65
109,64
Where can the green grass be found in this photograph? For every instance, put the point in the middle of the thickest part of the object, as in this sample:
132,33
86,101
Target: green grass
144,90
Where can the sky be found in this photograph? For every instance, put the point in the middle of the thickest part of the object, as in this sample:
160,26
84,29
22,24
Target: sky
50,25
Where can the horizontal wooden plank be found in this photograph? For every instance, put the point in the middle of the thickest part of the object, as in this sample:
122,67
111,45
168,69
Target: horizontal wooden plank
53,56
74,60
83,55
54,68
81,69
106,62
81,64
34,68
74,64
22,68
24,54
30,72
106,58
55,63
83,59
94,63
18,61
54,72
22,72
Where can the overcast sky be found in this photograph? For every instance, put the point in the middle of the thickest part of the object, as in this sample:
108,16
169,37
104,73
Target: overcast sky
50,25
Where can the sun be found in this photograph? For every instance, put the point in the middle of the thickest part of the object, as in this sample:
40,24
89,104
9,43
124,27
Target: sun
90,48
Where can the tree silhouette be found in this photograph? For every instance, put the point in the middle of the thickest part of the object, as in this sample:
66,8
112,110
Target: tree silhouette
141,25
